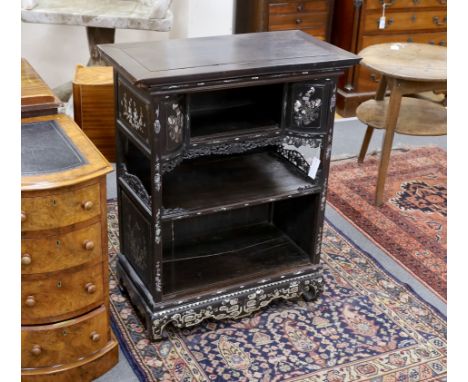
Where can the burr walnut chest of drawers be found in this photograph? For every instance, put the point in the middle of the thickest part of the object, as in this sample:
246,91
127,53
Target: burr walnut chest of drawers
223,149
311,16
356,26
65,330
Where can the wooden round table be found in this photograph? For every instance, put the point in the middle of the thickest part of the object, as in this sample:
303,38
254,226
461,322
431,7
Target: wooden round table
406,68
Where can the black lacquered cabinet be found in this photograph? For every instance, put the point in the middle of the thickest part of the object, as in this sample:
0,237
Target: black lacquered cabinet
223,149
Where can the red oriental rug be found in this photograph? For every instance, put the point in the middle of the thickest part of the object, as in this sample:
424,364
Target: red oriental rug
411,226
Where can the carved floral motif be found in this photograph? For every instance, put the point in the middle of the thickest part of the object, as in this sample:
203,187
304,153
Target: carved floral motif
306,108
132,114
175,123
238,304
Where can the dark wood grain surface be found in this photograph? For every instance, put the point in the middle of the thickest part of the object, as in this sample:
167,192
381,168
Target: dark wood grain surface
207,58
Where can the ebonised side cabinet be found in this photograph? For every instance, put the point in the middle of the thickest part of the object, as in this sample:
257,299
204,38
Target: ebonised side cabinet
221,201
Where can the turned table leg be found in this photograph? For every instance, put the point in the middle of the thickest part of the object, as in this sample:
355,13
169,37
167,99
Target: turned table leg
391,120
379,96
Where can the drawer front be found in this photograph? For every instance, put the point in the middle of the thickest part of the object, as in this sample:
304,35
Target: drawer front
407,20
367,80
297,7
437,38
57,252
317,33
60,209
60,295
66,342
315,21
377,4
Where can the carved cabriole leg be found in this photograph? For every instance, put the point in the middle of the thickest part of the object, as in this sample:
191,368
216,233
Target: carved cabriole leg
391,120
237,304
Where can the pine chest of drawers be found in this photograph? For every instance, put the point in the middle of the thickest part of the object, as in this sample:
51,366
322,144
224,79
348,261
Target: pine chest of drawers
311,16
65,329
223,150
356,26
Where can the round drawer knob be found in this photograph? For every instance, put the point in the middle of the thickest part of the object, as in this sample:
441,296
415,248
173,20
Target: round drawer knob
23,216
30,301
88,245
36,350
26,259
300,7
95,337
90,288
87,205
298,21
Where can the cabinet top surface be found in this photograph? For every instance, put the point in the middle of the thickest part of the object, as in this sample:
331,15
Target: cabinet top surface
218,57
56,153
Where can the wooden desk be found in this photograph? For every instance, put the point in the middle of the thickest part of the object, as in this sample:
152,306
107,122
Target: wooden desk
406,69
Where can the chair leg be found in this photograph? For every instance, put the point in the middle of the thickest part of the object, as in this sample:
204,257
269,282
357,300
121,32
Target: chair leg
365,143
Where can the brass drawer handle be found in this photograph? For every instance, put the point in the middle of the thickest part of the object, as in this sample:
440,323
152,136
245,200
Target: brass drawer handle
26,259
30,301
36,350
436,21
88,245
298,21
87,205
373,77
90,288
390,21
95,337
23,216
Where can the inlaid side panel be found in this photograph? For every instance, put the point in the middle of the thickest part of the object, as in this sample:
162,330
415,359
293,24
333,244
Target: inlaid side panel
171,129
308,106
135,241
133,112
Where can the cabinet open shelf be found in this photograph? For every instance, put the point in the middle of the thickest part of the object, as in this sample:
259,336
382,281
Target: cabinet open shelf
237,110
232,256
227,181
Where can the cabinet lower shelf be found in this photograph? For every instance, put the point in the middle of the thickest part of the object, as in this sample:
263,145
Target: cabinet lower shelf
232,303
230,257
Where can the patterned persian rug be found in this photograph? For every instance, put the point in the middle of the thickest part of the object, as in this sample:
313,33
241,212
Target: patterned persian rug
366,326
411,226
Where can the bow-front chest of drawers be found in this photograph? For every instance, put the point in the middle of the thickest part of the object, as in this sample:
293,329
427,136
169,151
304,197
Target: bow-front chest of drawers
65,329
223,150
